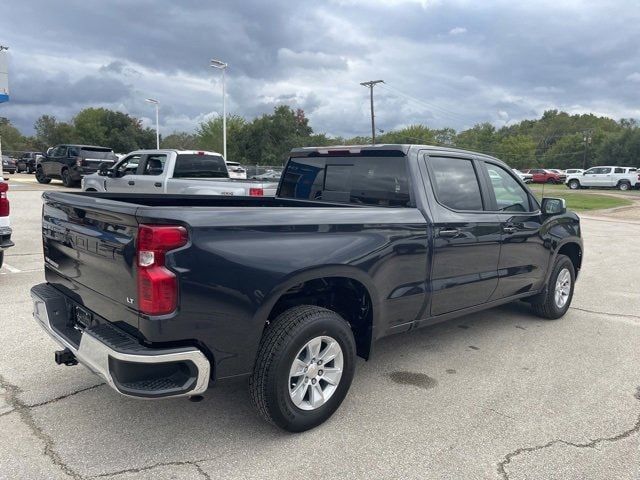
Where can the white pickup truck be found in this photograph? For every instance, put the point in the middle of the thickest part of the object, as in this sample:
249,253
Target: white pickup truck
623,178
187,172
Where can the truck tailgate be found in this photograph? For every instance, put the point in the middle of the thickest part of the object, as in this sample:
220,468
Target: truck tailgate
89,250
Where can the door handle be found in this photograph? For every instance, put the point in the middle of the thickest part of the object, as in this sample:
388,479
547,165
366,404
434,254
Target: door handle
509,229
131,182
449,232
157,184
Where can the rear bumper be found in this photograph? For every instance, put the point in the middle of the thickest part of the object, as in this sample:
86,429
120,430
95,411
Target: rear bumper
127,366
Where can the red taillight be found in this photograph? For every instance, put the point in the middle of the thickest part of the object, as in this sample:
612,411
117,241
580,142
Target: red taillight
256,192
157,285
4,201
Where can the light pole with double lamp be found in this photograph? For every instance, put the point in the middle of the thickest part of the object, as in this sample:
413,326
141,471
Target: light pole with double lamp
223,66
157,104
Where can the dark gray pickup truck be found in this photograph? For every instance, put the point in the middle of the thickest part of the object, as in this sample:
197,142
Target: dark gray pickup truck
165,295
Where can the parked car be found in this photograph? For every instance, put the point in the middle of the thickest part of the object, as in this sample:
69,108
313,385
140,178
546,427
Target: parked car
165,295
605,177
174,171
8,164
542,175
70,163
5,223
525,177
27,162
571,171
236,170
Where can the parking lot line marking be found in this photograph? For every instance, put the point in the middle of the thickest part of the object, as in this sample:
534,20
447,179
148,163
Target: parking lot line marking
12,269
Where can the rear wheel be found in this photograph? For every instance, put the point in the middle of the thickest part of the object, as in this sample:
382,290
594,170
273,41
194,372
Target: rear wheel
555,302
66,178
41,177
574,184
624,186
304,368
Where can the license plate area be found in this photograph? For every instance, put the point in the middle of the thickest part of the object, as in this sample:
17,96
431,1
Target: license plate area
82,318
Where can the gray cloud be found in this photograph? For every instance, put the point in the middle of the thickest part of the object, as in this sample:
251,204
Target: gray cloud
450,63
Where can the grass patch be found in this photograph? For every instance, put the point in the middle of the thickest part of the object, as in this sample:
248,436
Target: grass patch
587,201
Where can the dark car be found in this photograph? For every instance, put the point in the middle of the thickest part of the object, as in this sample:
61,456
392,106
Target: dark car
27,162
8,164
70,163
166,295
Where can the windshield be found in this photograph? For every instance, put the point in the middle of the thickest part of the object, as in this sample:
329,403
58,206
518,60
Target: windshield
200,166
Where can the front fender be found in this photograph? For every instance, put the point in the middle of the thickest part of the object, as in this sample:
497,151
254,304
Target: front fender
93,181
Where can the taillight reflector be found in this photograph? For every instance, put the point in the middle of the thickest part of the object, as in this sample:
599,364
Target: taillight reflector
256,192
4,201
157,285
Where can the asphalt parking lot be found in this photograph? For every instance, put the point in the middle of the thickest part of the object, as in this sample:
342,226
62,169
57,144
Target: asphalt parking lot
496,395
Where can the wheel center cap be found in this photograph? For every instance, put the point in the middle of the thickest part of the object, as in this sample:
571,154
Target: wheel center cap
312,370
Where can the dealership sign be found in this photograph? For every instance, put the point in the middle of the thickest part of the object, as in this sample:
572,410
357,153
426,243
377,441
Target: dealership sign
4,76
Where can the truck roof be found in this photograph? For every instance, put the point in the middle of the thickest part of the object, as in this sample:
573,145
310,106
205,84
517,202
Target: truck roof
180,152
399,147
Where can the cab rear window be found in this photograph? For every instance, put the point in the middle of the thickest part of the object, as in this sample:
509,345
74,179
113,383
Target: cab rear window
381,181
200,166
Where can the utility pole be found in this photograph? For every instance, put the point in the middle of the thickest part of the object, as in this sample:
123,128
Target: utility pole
587,141
370,84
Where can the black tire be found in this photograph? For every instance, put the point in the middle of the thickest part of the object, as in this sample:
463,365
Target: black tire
281,342
574,184
41,177
91,190
550,181
65,176
1,258
624,186
18,168
544,305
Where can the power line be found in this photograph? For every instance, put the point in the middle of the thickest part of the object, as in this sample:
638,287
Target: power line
441,111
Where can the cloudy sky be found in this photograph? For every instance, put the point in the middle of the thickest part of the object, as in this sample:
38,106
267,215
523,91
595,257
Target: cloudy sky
445,63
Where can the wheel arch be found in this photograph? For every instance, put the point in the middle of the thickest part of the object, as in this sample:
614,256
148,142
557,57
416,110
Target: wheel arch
357,301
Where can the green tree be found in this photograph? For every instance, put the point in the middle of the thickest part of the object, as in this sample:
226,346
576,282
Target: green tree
50,132
481,138
109,128
519,151
12,140
180,141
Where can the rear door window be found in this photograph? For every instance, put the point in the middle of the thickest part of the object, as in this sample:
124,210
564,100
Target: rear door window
360,180
455,183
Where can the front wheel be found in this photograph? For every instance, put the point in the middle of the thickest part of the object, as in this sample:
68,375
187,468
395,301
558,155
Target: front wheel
624,186
574,184
304,368
41,177
1,258
555,302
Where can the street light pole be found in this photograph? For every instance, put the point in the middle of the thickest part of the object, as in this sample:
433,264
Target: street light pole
370,84
157,104
223,66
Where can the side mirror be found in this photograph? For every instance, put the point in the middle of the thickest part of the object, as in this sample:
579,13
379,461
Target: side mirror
103,169
554,206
